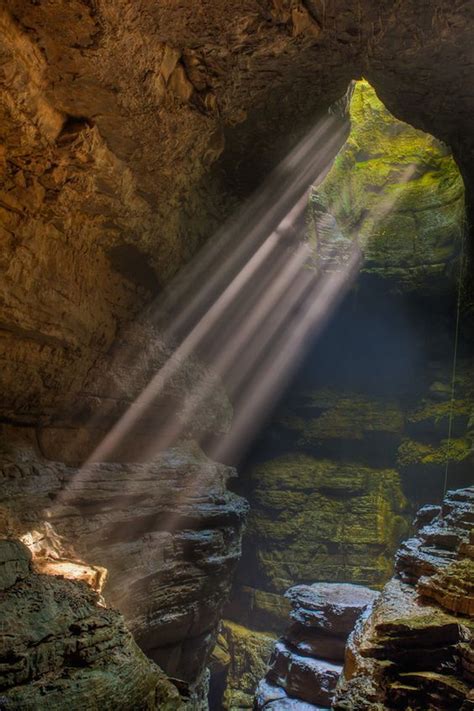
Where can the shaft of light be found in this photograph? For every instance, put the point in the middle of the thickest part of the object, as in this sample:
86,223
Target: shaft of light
311,165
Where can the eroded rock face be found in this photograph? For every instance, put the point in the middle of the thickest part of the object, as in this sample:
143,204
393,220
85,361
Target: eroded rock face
61,648
414,649
166,534
306,663
311,518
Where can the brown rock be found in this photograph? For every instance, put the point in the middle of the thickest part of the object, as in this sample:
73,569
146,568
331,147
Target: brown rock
414,648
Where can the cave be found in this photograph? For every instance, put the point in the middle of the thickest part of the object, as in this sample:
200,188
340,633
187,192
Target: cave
237,355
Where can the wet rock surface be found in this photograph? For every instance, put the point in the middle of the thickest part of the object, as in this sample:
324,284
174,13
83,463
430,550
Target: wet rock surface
306,663
414,648
62,648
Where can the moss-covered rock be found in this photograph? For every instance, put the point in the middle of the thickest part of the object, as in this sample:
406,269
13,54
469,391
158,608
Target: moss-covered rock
397,193
241,654
323,520
345,425
414,452
62,648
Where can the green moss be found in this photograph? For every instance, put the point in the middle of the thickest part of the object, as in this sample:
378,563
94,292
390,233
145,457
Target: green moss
353,417
249,652
396,191
413,452
316,519
438,412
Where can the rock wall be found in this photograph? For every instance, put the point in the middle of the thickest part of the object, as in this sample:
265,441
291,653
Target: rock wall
128,133
156,529
166,534
239,660
397,193
62,648
414,649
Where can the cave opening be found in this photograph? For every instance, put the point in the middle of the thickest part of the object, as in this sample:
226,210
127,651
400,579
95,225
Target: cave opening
376,422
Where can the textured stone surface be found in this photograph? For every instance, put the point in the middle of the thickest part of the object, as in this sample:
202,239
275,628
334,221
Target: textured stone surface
238,662
337,500
328,607
305,678
307,661
167,534
321,518
61,648
130,131
413,649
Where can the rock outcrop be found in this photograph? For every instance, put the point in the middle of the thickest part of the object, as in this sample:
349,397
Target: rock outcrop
60,647
306,663
414,648
166,535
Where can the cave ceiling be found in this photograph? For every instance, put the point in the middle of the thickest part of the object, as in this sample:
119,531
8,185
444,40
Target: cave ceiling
129,130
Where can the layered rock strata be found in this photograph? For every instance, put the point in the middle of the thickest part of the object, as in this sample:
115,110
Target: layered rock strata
414,648
314,517
365,433
165,535
145,518
60,647
306,663
396,193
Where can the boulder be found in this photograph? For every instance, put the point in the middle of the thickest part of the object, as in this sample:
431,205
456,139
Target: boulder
306,662
329,607
306,678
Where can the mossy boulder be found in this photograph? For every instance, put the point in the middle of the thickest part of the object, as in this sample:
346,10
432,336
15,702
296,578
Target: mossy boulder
397,193
62,648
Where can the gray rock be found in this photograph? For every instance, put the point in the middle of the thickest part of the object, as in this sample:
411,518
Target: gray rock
329,607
